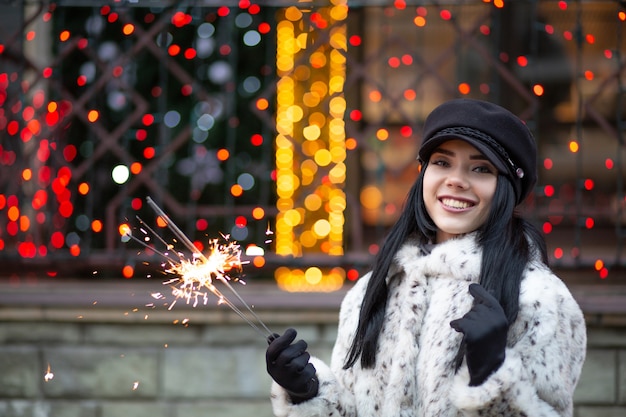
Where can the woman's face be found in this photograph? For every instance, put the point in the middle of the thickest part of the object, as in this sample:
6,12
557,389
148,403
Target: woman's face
458,188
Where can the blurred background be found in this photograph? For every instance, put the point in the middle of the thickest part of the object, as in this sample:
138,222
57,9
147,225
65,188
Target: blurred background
290,129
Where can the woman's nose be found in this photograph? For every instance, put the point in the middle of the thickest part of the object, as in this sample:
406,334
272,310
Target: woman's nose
457,179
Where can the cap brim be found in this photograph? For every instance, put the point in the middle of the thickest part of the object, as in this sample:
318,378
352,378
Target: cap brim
427,149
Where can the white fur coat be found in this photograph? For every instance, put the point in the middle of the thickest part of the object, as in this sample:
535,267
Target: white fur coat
415,374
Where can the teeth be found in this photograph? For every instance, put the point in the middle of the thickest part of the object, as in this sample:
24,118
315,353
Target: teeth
455,203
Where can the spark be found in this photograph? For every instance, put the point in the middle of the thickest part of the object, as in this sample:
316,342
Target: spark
49,375
268,232
135,385
194,277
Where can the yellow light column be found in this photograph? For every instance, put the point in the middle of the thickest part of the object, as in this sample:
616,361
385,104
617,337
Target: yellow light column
310,142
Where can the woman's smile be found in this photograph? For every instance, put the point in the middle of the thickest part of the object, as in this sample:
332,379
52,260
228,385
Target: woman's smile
455,204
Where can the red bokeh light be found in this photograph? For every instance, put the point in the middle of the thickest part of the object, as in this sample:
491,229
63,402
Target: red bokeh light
202,224
241,221
57,240
352,274
256,139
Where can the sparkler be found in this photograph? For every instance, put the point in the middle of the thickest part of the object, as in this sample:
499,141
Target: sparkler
195,277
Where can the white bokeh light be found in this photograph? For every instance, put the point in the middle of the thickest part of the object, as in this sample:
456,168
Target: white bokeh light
120,174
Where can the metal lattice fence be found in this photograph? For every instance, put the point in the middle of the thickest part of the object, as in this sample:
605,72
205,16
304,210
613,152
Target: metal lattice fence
103,104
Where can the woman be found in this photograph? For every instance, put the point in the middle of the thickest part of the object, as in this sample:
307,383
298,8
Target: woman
460,315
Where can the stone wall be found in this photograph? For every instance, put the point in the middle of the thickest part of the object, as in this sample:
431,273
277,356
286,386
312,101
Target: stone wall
112,356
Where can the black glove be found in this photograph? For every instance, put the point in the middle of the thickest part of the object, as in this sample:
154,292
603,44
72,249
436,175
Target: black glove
288,364
484,328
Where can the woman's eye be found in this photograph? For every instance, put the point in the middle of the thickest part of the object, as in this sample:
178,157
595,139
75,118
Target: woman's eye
439,162
484,169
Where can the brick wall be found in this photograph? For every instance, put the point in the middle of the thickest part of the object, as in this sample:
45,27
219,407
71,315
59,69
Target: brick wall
111,356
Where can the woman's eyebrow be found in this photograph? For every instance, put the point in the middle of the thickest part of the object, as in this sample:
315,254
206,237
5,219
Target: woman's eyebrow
443,151
478,156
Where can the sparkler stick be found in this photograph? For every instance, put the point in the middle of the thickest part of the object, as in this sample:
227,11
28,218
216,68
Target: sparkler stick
206,280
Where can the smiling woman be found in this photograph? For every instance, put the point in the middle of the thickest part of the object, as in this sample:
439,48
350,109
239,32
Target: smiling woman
442,326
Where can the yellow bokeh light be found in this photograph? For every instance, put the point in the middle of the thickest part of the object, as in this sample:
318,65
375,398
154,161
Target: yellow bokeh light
382,134
321,228
313,275
337,57
320,88
311,99
317,118
284,157
295,113
371,197
336,84
124,229
301,41
287,183
337,203
308,239
284,64
313,202
310,147
317,60
308,168
339,12
337,174
293,13
311,132
573,146
302,72
337,106
292,217
322,157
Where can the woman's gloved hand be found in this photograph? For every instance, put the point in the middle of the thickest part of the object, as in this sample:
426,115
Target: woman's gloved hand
288,364
485,329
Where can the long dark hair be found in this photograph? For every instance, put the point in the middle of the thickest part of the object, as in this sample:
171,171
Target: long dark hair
504,235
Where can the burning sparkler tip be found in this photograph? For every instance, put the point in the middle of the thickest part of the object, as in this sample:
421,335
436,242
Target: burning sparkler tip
48,375
194,275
